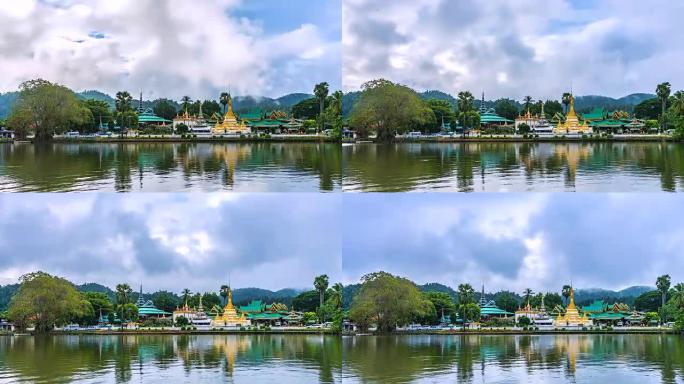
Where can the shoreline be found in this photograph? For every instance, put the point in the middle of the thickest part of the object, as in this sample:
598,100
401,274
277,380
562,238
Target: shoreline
135,140
439,140
147,332
501,332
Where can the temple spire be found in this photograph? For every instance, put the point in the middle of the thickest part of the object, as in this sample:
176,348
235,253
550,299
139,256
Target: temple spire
482,104
140,107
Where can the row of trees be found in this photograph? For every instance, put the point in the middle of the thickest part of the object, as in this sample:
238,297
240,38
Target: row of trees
389,301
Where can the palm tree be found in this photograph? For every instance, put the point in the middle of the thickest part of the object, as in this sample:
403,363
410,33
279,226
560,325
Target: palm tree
223,291
123,294
527,294
679,288
186,100
336,297
123,101
678,103
663,92
466,294
527,100
465,104
223,99
663,285
566,293
321,285
186,294
321,92
566,101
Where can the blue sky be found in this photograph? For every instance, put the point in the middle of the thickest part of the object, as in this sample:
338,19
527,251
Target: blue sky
515,48
173,48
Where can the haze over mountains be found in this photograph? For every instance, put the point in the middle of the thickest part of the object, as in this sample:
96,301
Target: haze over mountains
240,103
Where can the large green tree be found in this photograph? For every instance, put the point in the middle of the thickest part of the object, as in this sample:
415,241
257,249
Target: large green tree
44,301
506,300
306,301
387,301
306,109
443,305
165,108
386,108
165,300
443,113
663,284
506,108
123,101
44,109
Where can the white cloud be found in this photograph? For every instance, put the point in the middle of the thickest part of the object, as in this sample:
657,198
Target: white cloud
167,49
512,49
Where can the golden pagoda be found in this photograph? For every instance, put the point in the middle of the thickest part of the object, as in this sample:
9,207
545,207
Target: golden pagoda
572,123
572,318
230,317
230,124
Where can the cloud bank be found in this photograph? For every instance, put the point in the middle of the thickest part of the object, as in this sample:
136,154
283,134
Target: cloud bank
170,48
512,49
515,241
172,241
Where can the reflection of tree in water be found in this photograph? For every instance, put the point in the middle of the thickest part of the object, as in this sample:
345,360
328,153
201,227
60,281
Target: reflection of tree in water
65,358
60,167
407,358
402,167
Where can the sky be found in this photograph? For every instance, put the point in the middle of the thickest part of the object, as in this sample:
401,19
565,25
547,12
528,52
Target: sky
173,48
172,241
515,241
504,48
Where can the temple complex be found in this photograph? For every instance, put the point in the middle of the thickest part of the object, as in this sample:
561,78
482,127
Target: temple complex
195,124
147,308
537,124
230,317
489,309
538,316
572,318
488,117
146,116
230,123
572,125
195,316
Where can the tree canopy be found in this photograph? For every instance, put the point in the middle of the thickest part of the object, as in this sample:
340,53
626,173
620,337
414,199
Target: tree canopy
45,301
387,108
44,109
388,301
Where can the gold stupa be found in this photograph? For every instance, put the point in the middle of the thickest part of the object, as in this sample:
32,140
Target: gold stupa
230,317
572,123
230,124
572,318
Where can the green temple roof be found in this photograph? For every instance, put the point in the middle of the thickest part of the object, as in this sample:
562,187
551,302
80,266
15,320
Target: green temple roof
595,307
147,116
490,117
147,308
253,306
596,114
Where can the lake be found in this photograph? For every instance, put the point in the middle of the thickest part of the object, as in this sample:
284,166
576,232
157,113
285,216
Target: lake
616,359
171,359
514,167
171,167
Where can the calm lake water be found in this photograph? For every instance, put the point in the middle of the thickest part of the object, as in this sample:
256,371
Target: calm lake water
517,167
171,167
171,359
514,359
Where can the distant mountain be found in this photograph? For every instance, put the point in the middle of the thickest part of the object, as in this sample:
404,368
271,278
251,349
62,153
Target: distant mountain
6,293
439,95
587,103
627,295
245,295
6,102
436,287
348,101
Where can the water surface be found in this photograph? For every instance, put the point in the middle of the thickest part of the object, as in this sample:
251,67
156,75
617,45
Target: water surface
623,359
171,359
516,167
170,167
